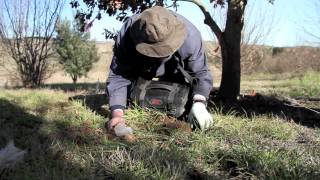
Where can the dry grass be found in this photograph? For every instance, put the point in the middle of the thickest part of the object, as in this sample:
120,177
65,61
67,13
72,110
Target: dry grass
294,60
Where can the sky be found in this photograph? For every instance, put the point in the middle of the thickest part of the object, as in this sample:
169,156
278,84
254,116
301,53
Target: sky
281,24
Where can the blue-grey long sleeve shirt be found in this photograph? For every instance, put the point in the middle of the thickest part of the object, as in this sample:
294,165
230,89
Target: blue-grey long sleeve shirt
127,64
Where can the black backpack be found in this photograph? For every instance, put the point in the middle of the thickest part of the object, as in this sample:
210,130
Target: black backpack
169,97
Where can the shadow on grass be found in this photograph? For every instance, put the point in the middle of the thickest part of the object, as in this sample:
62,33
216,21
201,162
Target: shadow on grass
258,104
90,87
96,102
41,161
142,160
94,98
52,146
247,105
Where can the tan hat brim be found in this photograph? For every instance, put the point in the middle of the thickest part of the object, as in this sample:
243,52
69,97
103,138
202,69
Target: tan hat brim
167,47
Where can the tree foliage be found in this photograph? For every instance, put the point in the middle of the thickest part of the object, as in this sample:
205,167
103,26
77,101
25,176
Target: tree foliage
26,31
76,53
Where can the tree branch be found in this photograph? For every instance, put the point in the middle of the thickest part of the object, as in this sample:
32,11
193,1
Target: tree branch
28,35
208,20
213,26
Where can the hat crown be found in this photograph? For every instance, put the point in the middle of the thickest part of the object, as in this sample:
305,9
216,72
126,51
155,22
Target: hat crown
158,28
155,25
157,32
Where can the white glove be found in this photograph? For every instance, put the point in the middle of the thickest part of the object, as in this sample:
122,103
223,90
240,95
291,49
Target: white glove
199,116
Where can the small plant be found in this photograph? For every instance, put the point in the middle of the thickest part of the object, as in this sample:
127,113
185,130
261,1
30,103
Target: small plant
307,85
76,53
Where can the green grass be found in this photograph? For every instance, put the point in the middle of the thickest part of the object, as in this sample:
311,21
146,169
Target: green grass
307,84
289,84
66,140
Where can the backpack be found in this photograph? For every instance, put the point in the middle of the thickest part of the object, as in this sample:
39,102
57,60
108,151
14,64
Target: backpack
165,96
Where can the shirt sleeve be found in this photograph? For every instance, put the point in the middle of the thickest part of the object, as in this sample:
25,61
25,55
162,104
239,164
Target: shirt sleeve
198,68
118,79
194,58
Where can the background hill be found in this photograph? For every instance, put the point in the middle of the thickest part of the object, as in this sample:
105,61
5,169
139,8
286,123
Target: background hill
256,59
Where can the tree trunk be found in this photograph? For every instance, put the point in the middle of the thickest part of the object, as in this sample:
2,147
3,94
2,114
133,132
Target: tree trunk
74,79
230,41
231,72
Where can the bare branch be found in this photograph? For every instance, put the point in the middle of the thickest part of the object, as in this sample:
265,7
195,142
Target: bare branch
208,19
26,32
313,31
257,28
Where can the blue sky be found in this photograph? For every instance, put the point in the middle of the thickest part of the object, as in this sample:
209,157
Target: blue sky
283,23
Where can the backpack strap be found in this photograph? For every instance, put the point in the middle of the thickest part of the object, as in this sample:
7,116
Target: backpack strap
186,75
171,97
142,87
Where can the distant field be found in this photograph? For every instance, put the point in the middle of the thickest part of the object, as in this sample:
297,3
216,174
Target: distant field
276,63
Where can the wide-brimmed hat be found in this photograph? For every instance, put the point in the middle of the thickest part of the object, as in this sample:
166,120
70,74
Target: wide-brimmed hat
157,32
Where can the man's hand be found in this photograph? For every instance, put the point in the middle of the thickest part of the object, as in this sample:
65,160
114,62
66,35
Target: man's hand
199,115
114,122
117,126
117,118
